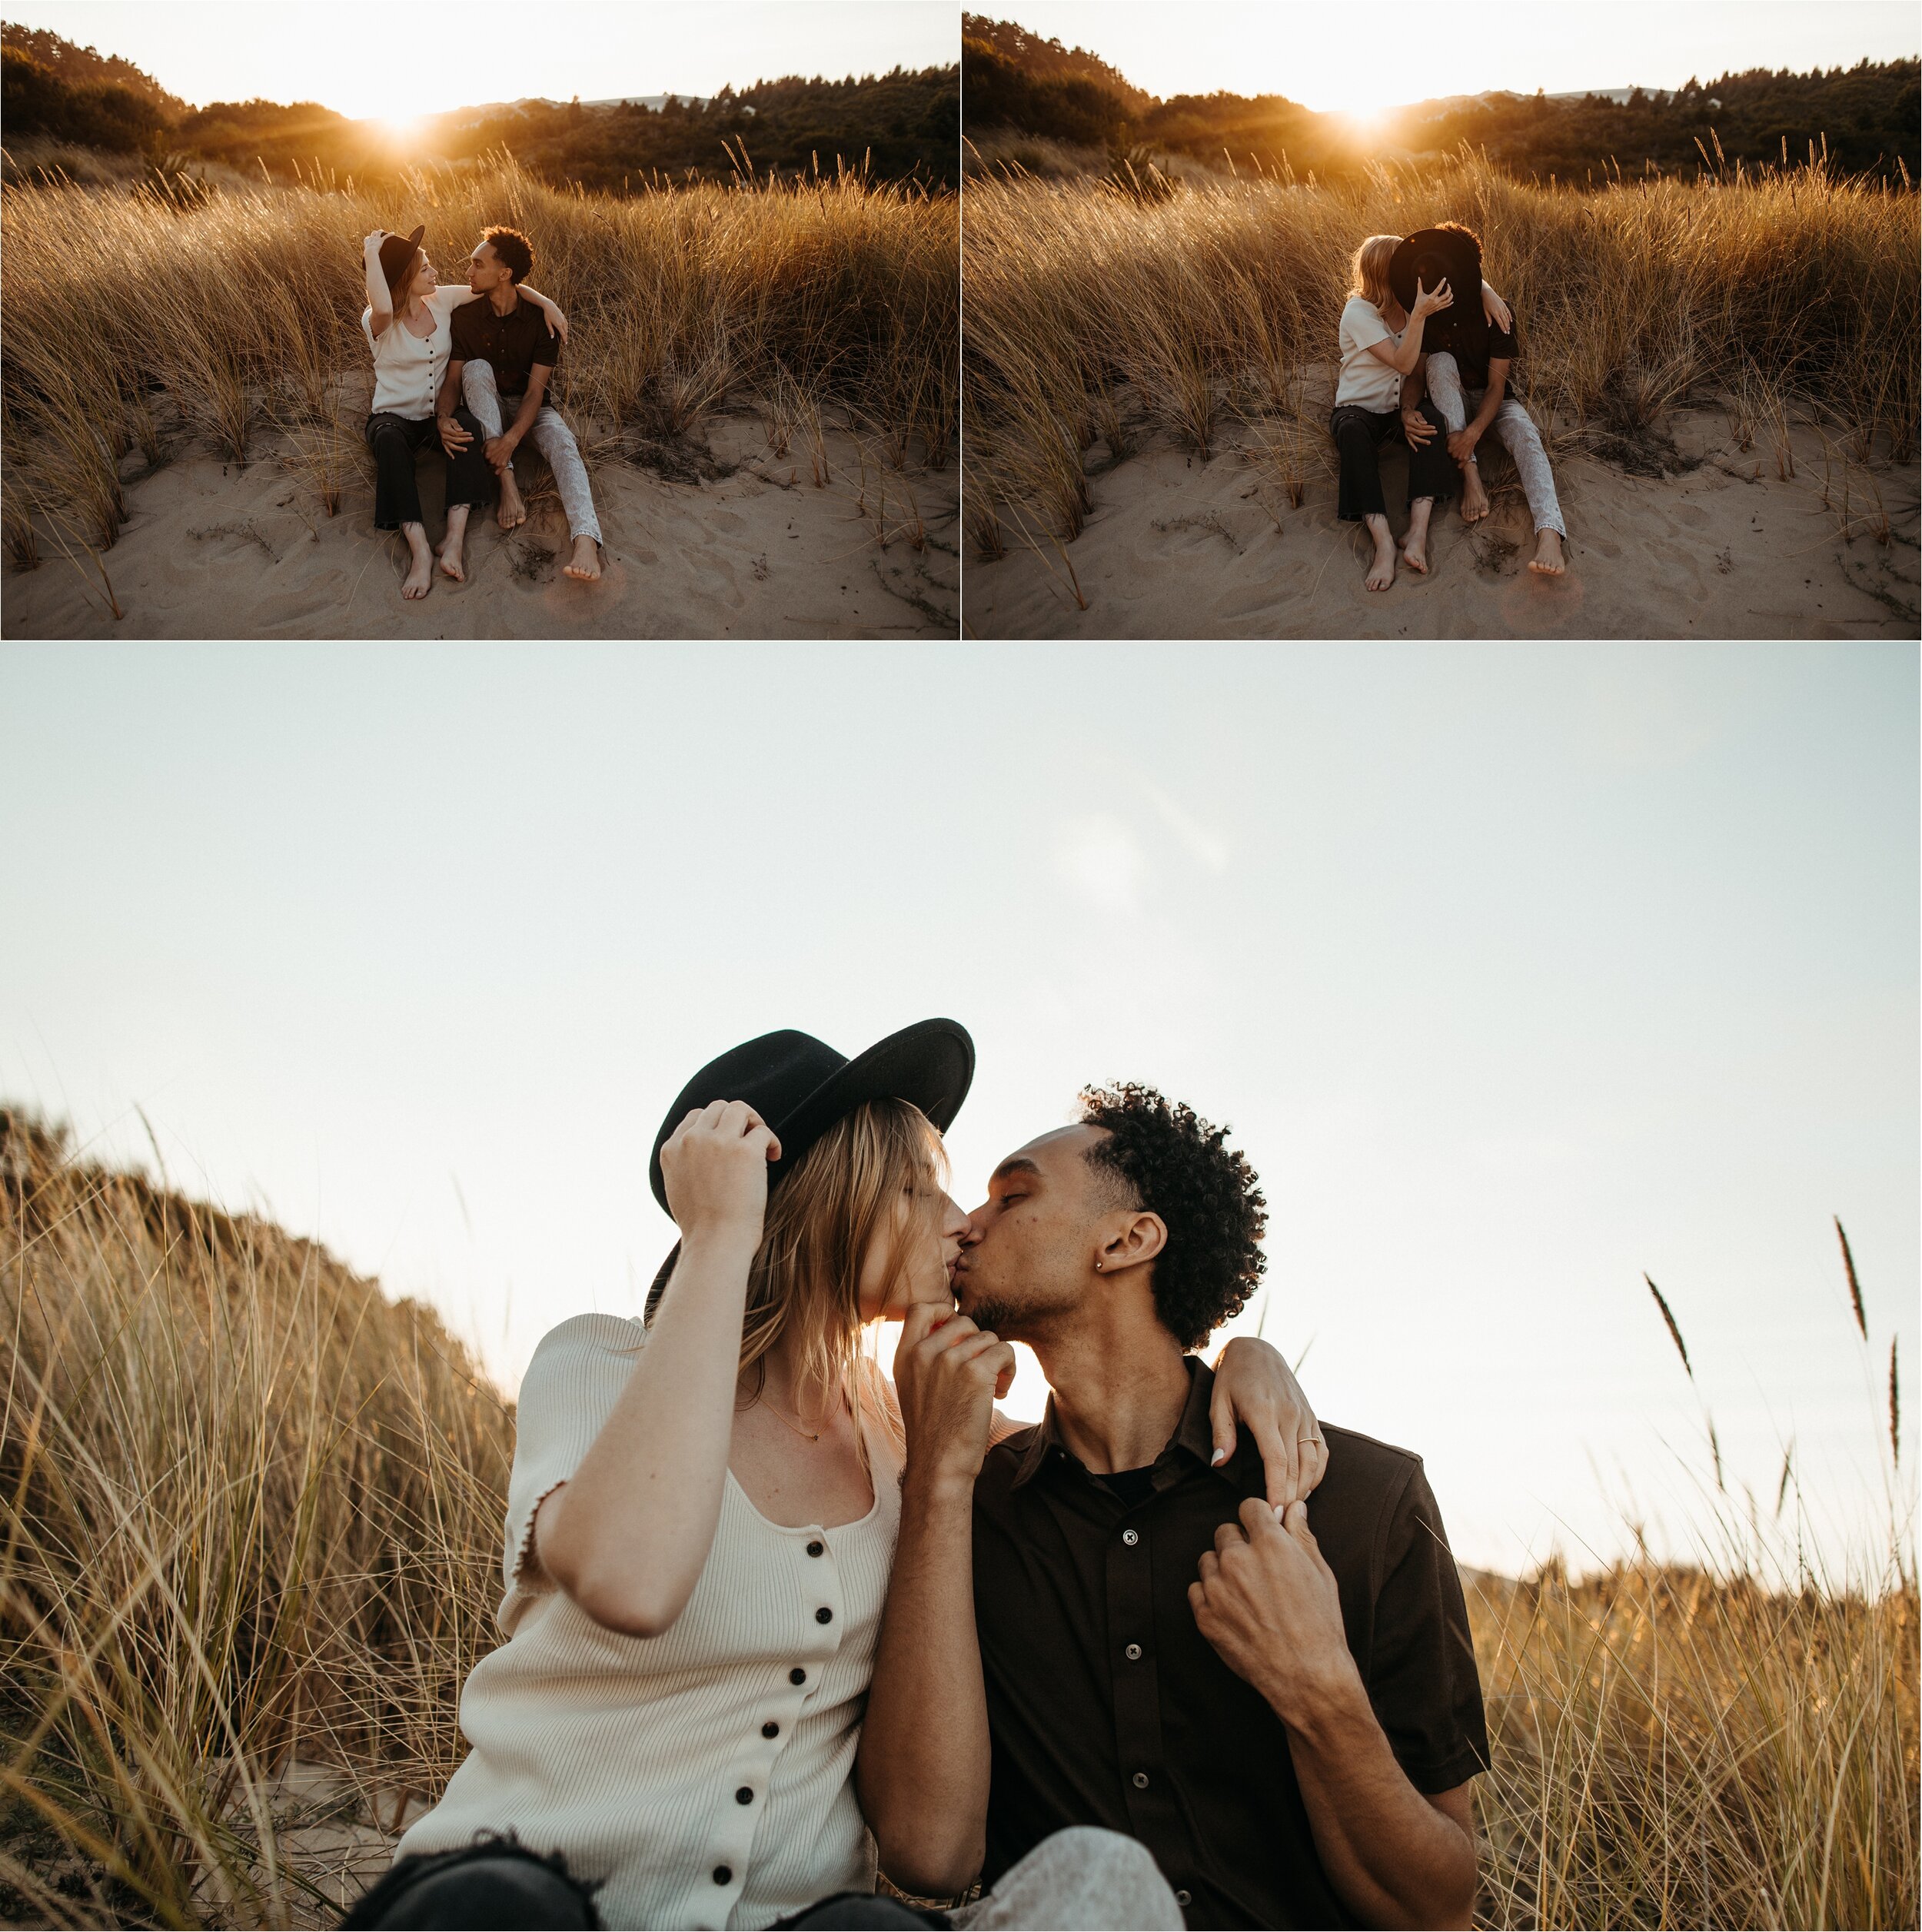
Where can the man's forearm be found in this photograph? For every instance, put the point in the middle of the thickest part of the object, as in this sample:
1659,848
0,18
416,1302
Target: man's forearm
1394,1859
530,408
922,1775
443,404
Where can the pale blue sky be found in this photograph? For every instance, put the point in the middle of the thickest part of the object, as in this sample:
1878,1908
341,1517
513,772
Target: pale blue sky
1517,971
1391,51
361,57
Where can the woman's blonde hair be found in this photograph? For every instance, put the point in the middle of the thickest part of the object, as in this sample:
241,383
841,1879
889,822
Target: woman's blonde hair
1369,271
867,1178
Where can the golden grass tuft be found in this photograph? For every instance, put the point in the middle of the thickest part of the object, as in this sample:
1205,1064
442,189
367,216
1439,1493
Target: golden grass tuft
228,309
1204,300
250,1514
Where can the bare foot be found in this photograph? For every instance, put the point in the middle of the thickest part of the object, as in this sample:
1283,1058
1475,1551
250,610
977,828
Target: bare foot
452,563
1414,554
1474,498
1548,559
513,512
585,562
1382,574
419,580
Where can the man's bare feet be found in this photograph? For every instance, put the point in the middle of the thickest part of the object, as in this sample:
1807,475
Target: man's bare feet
513,512
1548,559
1415,546
419,579
585,562
1474,498
452,562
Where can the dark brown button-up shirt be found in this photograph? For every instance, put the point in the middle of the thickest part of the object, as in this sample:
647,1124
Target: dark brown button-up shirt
1108,1707
513,342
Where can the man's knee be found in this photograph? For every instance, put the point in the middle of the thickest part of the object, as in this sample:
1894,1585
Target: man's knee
478,374
1442,367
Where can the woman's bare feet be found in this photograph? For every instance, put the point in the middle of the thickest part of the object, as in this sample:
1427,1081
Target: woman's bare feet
1474,498
419,580
585,562
513,512
1548,559
1381,571
452,562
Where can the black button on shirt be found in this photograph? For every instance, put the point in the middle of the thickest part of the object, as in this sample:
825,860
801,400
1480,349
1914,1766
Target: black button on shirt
1164,1741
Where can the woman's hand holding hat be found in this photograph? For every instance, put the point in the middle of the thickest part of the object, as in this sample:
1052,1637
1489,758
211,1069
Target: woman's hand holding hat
372,244
715,1166
1427,301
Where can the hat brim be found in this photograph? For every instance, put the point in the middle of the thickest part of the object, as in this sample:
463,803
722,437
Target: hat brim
930,1065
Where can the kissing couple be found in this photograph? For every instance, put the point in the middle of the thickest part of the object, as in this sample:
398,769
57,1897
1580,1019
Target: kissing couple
790,1643
470,367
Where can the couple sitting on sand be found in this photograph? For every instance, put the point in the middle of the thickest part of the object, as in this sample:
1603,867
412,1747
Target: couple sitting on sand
472,366
1413,367
788,1643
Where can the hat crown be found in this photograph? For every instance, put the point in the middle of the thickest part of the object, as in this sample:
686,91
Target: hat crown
771,1074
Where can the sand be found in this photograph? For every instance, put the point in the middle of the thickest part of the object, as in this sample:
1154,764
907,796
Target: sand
1719,546
718,539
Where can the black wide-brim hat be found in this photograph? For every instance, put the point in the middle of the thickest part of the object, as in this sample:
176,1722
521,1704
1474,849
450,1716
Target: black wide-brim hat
398,253
1431,255
800,1086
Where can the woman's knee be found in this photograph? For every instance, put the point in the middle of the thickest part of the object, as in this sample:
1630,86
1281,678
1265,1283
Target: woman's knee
483,1887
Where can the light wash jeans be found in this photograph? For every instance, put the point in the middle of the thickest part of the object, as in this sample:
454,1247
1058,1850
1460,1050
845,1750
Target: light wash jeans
1080,1879
1513,428
552,437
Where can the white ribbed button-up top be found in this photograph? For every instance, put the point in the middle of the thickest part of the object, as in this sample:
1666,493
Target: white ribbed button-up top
647,1760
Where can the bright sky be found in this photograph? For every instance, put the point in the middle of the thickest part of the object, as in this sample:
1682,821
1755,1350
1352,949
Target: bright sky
1349,58
1517,971
370,59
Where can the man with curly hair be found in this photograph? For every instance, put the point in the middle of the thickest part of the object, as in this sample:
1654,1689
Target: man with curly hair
1281,1703
503,357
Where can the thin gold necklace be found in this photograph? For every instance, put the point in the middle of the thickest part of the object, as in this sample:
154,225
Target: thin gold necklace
813,1435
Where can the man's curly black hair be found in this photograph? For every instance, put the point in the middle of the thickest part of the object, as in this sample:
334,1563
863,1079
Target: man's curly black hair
1176,1165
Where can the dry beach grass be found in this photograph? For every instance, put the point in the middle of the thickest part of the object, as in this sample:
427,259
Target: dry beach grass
249,1514
1105,311
177,316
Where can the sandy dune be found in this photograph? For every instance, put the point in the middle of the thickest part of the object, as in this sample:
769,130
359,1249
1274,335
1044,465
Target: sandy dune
1174,548
745,546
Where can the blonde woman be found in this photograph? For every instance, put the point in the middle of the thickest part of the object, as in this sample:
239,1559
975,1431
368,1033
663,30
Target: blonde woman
1380,345
407,325
701,1523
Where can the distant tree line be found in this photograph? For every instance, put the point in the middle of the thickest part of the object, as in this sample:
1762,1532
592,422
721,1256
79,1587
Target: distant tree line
1867,115
901,125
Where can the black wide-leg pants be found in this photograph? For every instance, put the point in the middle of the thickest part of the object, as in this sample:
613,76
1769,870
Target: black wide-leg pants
395,440
1359,434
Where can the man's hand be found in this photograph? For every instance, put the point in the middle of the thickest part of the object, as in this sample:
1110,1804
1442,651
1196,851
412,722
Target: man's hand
1254,1387
1417,428
947,1373
500,449
1268,1603
454,438
715,1166
1462,444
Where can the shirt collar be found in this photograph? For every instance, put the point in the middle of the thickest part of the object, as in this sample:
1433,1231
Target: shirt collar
1194,1437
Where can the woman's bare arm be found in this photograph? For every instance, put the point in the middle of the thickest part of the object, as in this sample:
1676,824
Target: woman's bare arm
377,297
628,1535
